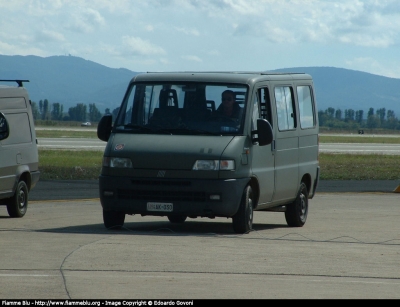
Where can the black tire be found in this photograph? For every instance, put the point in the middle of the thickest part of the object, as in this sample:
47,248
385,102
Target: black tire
177,219
113,219
243,219
18,204
296,212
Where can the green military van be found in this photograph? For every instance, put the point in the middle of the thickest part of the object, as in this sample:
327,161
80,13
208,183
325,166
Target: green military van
211,144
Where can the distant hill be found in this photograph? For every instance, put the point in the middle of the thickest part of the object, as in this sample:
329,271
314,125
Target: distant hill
70,80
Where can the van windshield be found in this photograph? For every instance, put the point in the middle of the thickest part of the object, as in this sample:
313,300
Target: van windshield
183,108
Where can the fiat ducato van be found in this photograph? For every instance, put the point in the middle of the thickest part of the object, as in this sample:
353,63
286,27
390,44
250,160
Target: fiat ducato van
210,145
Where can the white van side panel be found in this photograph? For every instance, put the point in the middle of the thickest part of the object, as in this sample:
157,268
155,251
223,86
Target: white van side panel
13,103
20,131
19,148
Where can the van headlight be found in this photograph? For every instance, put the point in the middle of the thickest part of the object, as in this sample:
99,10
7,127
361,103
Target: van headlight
117,162
214,165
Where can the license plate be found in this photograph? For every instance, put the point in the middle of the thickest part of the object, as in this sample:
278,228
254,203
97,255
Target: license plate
165,207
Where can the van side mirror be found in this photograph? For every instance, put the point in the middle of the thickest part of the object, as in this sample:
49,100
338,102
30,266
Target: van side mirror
4,128
104,127
264,132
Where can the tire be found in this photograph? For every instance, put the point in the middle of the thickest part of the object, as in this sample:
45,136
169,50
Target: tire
18,204
113,219
243,219
177,219
296,213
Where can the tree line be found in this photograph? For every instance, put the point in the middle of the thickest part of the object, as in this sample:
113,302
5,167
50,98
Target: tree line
333,118
350,119
55,111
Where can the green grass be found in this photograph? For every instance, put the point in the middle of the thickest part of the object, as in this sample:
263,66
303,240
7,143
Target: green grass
80,165
359,167
360,139
68,164
91,133
65,134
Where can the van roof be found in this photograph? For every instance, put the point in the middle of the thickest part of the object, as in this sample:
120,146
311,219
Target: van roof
219,76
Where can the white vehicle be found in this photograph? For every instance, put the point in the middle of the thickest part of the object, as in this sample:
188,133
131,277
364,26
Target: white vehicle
19,159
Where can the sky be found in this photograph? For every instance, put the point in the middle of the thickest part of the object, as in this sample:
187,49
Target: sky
208,35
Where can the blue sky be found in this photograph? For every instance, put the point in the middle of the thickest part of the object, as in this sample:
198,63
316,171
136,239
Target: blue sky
176,35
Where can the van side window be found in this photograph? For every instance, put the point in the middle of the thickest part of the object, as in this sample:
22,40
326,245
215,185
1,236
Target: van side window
284,108
256,112
306,107
262,106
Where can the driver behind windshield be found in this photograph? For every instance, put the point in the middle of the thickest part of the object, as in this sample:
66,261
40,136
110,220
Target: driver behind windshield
229,107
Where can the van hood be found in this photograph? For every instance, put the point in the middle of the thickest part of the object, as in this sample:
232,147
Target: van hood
169,152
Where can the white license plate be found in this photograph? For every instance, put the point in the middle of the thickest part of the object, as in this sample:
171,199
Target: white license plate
165,207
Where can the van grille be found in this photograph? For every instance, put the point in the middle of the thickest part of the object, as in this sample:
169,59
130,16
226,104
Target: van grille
162,196
161,182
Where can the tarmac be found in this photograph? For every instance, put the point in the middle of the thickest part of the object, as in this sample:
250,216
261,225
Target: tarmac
88,189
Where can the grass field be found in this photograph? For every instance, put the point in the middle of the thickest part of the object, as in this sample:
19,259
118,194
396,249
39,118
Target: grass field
325,138
64,164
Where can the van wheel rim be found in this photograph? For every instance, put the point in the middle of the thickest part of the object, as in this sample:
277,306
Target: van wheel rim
250,212
303,206
21,199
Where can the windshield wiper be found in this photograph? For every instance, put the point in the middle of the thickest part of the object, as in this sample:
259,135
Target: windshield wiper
188,130
140,128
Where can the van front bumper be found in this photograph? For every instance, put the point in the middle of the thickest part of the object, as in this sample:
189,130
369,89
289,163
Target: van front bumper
204,198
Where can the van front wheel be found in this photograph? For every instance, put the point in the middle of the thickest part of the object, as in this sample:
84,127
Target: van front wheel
18,204
243,219
296,212
113,219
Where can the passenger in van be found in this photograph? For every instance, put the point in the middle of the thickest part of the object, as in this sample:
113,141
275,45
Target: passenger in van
229,107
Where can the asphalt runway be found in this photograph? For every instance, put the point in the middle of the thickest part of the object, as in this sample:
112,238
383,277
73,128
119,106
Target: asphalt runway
88,189
348,249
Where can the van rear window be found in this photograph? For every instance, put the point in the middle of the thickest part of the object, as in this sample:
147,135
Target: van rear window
306,107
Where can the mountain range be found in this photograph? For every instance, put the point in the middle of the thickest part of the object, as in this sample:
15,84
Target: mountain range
69,80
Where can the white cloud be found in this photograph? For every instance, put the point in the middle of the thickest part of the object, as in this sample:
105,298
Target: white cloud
149,28
366,40
139,47
86,21
192,58
26,49
45,36
187,31
140,35
371,65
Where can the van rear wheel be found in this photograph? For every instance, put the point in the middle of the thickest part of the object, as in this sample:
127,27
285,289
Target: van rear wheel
243,219
296,212
113,219
18,204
